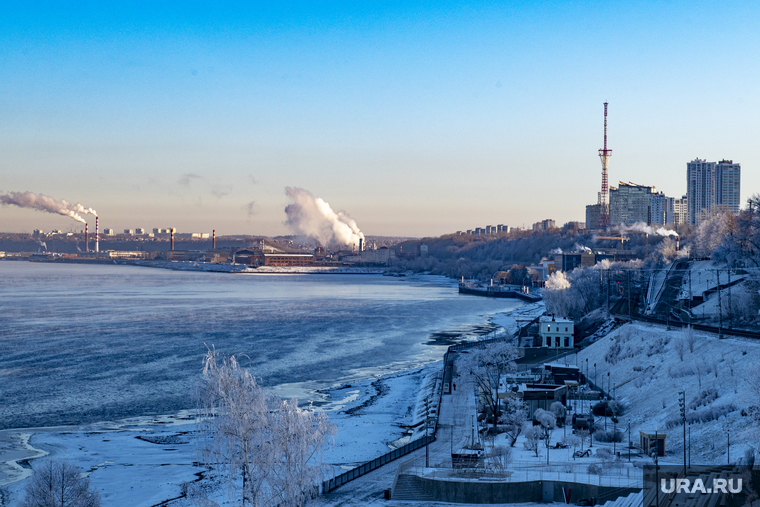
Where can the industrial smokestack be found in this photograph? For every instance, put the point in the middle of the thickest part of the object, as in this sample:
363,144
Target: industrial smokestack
213,239
86,237
678,243
646,246
172,236
361,244
97,234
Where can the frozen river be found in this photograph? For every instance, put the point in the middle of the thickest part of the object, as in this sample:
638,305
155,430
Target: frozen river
85,343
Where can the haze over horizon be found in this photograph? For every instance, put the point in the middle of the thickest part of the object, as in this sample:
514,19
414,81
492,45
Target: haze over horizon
416,120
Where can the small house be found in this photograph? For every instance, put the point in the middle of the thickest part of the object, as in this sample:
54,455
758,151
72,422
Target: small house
556,333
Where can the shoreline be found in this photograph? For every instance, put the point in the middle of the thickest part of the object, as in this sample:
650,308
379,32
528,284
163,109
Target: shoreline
374,415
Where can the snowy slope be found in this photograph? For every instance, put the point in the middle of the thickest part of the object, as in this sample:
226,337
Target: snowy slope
647,373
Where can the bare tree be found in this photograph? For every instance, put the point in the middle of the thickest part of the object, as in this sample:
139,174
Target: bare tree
487,366
59,484
272,445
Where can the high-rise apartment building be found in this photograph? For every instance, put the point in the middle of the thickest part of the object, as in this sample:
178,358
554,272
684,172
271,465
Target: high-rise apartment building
658,209
711,185
677,211
629,203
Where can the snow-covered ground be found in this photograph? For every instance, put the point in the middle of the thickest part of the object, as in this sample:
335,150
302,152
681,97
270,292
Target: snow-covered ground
646,373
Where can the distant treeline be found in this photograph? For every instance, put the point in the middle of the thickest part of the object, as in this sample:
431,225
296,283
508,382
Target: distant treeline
481,256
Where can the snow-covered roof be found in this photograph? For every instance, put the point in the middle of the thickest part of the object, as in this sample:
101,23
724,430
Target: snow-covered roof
561,365
549,318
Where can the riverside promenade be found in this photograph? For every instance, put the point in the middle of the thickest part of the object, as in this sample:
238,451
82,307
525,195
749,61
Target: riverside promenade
456,415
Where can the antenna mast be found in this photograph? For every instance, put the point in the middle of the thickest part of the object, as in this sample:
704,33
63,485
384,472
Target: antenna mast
604,195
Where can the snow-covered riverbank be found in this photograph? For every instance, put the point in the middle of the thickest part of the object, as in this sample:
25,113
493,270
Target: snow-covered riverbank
144,461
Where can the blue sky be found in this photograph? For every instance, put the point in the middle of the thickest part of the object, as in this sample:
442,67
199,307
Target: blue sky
415,118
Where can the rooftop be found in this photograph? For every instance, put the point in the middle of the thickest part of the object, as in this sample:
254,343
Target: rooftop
549,318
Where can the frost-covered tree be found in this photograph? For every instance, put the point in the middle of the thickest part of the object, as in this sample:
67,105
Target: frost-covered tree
532,438
300,436
59,484
487,366
559,411
547,422
679,345
713,229
740,247
513,419
270,446
573,294
690,339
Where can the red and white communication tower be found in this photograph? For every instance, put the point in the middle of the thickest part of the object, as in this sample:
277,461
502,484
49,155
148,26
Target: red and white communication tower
604,195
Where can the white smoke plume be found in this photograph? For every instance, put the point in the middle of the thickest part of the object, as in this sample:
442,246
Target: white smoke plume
46,203
580,248
642,227
313,217
555,251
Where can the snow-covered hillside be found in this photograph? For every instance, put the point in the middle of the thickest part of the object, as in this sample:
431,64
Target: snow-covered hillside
647,372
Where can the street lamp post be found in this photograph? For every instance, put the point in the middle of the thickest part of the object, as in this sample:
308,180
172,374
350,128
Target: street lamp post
682,408
656,469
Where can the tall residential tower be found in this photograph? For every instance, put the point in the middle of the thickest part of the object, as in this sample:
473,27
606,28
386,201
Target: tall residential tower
711,185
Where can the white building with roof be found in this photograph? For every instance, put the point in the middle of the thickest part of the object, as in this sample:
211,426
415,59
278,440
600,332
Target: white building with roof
556,333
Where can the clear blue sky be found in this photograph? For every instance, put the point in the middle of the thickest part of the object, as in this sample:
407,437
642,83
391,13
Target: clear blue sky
415,118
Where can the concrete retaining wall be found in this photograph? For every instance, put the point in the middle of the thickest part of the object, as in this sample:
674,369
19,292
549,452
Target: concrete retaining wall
483,492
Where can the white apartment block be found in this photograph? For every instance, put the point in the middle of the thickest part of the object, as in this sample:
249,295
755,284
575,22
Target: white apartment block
711,185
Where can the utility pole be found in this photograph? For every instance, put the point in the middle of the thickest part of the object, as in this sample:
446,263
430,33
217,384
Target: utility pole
720,306
730,303
691,295
682,408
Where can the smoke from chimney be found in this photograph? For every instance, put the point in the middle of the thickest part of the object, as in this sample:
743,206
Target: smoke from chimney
47,204
312,217
642,227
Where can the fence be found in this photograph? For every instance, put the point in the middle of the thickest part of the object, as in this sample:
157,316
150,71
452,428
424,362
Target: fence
365,468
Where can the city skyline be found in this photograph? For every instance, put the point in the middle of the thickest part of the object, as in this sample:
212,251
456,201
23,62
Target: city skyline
415,120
